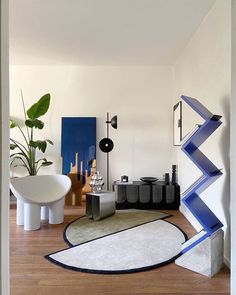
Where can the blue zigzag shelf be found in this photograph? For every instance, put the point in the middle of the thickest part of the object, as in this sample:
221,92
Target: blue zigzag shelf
210,173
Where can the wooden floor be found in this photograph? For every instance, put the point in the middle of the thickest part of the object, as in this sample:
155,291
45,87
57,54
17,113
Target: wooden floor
32,274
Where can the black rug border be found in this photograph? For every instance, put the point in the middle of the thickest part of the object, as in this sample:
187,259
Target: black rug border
112,272
72,245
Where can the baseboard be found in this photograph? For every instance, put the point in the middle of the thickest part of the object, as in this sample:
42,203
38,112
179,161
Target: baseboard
227,262
198,227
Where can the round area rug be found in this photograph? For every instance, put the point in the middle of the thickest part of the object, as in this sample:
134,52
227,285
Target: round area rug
140,248
85,229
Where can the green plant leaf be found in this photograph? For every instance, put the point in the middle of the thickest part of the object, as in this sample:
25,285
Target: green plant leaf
25,154
43,146
39,108
23,163
34,123
44,159
38,124
13,124
18,157
29,123
12,146
40,144
20,154
49,141
47,163
19,165
33,144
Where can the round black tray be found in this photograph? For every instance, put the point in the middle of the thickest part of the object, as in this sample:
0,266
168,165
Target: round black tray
149,180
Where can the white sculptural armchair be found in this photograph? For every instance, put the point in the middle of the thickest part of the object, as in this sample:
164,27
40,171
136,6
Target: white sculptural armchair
40,197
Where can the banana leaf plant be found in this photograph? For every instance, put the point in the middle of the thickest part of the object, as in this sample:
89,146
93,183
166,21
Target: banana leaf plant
24,153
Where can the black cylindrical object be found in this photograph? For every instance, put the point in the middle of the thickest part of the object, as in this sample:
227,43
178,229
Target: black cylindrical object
167,178
174,174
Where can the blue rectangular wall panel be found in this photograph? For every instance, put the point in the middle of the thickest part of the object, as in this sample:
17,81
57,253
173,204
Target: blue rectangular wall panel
78,136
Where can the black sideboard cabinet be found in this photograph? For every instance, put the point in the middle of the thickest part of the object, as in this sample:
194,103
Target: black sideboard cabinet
140,195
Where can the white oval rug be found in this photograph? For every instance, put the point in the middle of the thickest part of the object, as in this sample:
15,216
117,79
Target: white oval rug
140,248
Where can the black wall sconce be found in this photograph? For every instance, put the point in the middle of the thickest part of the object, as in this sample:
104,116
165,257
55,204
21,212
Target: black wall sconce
106,144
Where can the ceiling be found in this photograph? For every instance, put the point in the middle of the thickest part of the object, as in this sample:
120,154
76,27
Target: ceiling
102,32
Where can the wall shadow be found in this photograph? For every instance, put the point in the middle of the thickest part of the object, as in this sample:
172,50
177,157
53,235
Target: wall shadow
225,152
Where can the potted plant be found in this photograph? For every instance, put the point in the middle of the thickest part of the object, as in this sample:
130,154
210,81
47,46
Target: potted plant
24,153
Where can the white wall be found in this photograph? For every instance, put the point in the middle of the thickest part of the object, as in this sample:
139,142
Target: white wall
233,151
203,72
4,150
141,97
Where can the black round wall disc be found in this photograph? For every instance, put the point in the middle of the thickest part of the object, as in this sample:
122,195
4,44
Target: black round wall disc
106,145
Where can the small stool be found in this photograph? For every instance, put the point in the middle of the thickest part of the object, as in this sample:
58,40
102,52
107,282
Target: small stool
100,205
